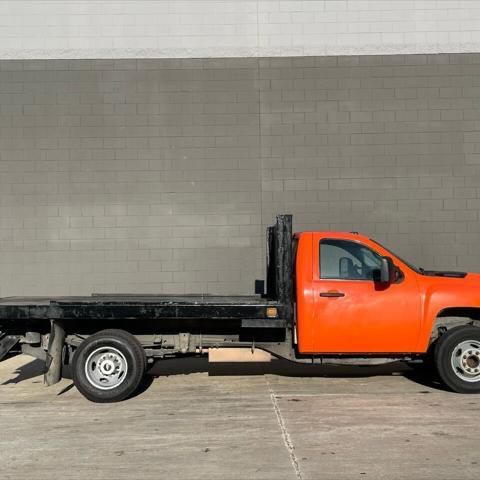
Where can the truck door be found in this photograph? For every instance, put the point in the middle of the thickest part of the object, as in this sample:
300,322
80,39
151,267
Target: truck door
353,312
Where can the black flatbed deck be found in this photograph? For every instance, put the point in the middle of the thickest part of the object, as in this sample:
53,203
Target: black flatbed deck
137,313
122,309
133,299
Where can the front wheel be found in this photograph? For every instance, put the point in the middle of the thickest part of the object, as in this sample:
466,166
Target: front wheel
457,358
109,366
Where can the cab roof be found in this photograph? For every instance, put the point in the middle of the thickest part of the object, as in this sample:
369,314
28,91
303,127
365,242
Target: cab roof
334,234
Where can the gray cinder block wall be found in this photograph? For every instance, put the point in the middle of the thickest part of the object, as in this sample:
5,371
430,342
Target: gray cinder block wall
160,176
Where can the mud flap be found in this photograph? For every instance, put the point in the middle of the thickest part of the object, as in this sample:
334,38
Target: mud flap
7,342
54,361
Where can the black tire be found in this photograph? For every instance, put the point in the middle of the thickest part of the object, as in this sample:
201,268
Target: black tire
450,359
118,349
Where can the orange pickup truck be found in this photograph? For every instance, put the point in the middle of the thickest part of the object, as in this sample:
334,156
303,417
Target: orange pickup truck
332,298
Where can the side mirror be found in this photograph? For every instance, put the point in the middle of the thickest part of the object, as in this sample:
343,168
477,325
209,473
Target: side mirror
387,271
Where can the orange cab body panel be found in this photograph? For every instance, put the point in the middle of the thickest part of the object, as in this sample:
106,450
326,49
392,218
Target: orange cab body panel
345,316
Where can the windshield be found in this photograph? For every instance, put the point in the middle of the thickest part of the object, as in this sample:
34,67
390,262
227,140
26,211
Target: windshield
408,264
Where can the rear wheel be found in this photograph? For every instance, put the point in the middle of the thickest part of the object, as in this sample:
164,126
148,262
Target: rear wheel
457,357
109,366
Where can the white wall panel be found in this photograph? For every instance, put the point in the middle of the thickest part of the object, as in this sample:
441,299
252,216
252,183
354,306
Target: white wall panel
233,28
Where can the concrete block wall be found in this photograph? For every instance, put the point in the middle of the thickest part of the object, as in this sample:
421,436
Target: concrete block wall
161,175
126,176
386,145
231,28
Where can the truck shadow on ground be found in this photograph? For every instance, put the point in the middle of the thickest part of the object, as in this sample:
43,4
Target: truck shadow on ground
285,368
191,365
26,372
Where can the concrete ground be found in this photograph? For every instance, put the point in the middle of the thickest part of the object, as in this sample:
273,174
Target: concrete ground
194,421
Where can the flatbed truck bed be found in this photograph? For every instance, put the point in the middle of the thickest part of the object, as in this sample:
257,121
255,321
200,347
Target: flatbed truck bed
124,298
135,307
163,326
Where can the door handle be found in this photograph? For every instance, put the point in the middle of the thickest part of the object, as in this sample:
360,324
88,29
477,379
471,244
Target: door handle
332,294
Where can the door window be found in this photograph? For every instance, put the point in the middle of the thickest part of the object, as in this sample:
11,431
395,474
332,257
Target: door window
346,260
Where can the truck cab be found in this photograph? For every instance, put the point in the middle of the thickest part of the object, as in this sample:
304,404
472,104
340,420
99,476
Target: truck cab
343,306
355,297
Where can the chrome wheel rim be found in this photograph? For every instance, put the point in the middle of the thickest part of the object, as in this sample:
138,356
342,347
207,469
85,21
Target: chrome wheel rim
106,368
466,361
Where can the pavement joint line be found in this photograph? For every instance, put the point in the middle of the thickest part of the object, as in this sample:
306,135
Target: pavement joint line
285,435
283,395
